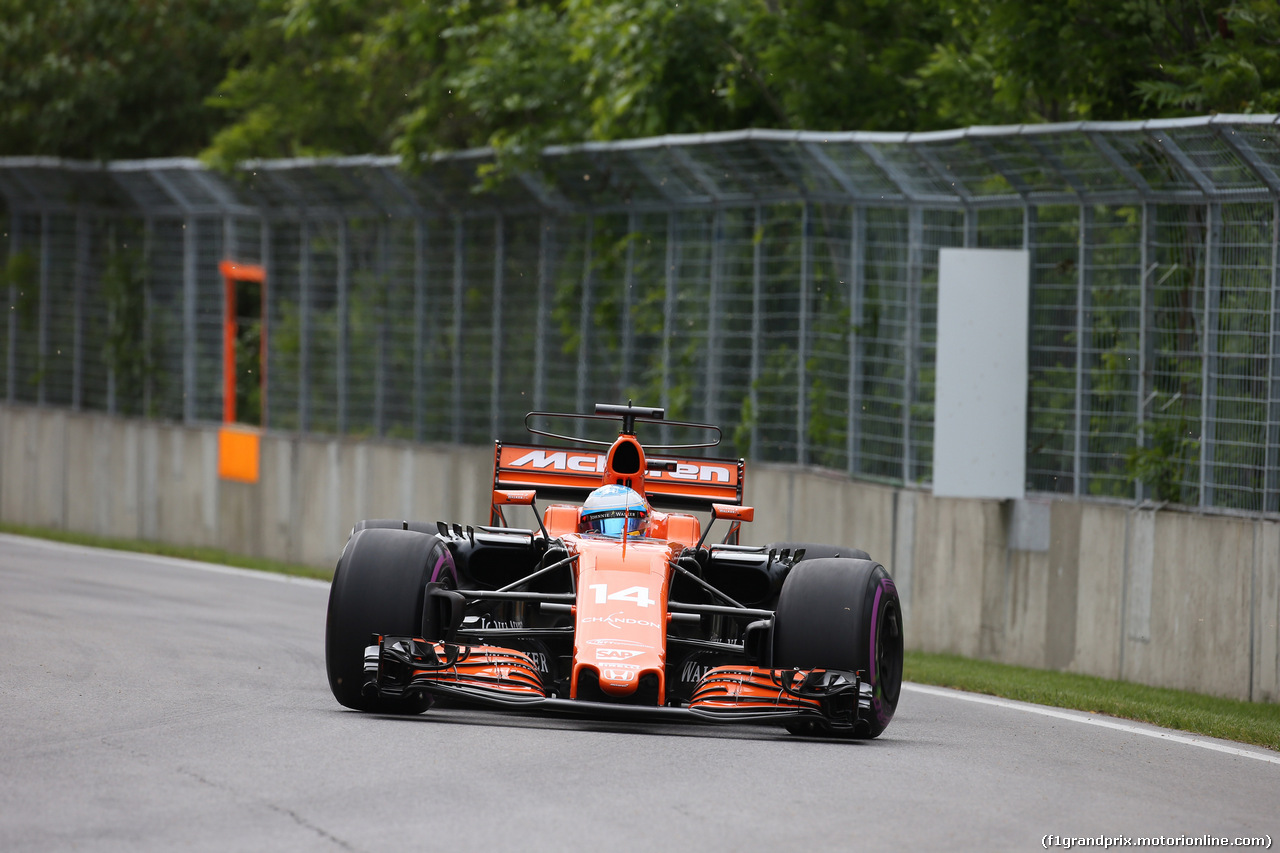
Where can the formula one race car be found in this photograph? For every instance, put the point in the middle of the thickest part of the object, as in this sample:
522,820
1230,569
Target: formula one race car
614,608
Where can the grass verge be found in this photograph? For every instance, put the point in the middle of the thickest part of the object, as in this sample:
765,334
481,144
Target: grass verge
142,546
1248,722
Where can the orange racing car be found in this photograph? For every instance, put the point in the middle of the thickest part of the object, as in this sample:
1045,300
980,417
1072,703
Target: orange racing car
615,605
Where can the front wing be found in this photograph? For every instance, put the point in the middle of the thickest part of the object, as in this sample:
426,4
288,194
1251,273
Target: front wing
507,678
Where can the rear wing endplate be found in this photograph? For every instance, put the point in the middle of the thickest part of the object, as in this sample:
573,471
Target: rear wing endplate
571,474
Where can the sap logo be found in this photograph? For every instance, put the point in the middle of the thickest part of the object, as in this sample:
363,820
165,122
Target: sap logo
616,675
617,654
560,460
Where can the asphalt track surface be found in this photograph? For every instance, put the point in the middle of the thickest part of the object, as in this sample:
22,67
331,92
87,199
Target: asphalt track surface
154,704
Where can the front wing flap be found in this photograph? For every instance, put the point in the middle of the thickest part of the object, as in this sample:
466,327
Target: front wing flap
750,693
507,678
396,666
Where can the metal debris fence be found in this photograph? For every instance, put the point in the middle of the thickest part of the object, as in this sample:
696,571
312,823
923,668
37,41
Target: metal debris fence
781,284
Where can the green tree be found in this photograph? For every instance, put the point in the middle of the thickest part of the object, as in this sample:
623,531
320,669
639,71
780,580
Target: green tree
106,79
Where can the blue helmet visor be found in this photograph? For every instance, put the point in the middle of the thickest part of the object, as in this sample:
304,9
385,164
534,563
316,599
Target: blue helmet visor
614,525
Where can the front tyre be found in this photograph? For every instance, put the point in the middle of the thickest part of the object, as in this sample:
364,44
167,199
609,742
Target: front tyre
378,589
837,613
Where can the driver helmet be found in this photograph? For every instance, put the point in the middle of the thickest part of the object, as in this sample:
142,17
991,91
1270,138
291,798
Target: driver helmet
610,510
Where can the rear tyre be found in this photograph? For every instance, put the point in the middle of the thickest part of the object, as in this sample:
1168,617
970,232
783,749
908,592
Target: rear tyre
815,551
378,589
836,613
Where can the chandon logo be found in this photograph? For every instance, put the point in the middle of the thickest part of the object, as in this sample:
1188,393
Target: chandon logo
617,620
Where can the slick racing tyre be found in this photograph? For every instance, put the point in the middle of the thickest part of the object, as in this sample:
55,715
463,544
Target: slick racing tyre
378,589
844,614
815,551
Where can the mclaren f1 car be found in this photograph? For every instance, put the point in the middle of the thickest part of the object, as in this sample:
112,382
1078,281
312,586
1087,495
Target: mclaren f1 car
618,603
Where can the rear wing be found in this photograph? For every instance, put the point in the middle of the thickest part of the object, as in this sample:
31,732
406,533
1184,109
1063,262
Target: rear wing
571,474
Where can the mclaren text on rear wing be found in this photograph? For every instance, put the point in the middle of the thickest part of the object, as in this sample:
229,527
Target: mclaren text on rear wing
572,473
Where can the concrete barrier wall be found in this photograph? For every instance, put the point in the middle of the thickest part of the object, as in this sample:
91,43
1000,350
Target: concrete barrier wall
1166,598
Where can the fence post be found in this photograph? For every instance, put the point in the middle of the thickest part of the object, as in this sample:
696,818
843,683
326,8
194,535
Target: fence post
268,285
499,262
857,259
628,286
757,326
111,370
344,272
1271,494
1084,260
1209,349
380,347
230,251
540,322
668,318
584,322
148,307
711,411
42,327
1030,220
1146,335
304,327
80,273
802,341
970,228
11,345
459,292
189,293
419,321
911,332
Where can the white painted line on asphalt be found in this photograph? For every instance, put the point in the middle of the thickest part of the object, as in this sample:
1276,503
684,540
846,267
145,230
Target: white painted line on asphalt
1091,720
159,559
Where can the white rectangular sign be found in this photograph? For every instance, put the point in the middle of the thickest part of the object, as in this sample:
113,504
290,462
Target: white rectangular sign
980,408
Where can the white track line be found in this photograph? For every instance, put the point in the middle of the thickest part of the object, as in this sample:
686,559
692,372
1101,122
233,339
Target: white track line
1092,720
162,560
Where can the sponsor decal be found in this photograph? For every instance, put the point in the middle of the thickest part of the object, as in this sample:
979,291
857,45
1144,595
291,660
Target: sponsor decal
539,660
617,654
593,463
618,622
701,473
616,643
616,665
560,460
693,672
698,664
486,622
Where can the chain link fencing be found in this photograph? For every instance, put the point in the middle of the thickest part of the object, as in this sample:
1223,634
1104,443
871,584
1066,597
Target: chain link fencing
781,285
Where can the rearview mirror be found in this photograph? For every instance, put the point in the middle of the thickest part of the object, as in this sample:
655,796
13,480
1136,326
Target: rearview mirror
733,513
507,497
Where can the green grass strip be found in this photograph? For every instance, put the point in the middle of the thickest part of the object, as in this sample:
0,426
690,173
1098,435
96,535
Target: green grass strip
164,549
1248,722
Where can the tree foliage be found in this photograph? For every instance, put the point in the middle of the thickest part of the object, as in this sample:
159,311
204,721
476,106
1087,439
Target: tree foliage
263,78
103,79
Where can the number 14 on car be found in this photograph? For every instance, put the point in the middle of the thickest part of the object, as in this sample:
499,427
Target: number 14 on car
637,594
